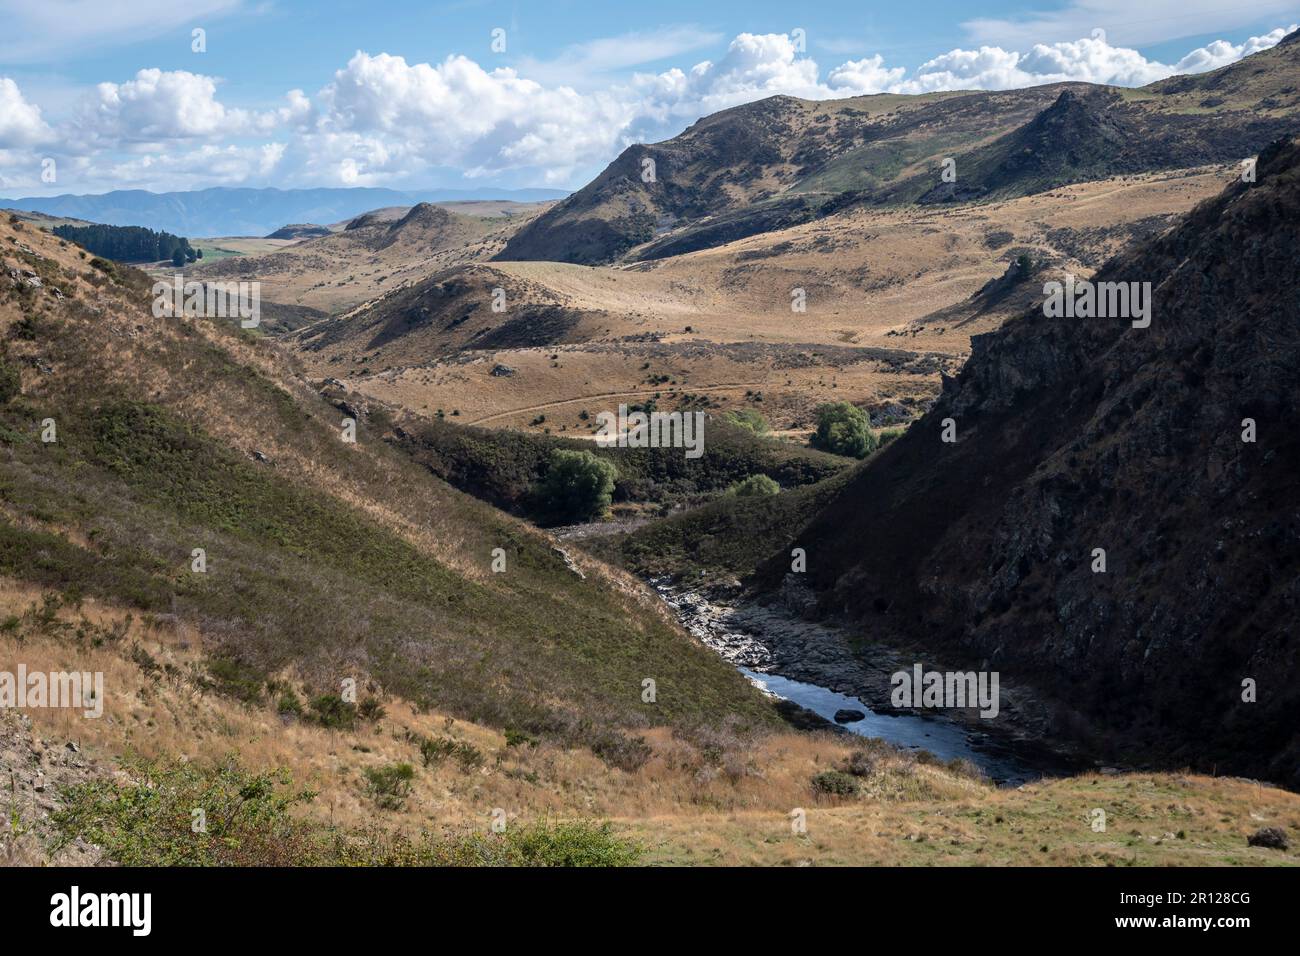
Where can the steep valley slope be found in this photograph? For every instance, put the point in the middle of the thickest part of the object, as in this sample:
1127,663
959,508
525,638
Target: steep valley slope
1175,449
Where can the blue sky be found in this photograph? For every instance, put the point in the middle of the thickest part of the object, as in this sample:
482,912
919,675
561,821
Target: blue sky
112,95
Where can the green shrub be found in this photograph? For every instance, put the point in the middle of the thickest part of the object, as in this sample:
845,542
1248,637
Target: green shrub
438,749
10,382
517,738
332,711
749,419
370,709
844,429
236,679
568,844
888,435
245,816
623,751
835,783
149,822
289,704
578,485
859,764
390,785
755,486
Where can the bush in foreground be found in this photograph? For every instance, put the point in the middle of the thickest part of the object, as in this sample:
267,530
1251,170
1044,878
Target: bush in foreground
247,822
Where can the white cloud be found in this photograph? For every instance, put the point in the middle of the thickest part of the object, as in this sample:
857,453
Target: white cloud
868,75
1091,60
380,113
158,106
1221,52
754,66
203,166
382,120
21,124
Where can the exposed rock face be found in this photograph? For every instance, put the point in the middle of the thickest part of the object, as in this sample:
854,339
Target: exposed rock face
32,774
1083,434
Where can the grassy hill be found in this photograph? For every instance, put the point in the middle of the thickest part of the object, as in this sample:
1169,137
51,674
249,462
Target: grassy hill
331,559
373,254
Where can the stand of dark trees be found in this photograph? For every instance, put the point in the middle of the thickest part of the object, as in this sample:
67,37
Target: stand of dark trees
130,243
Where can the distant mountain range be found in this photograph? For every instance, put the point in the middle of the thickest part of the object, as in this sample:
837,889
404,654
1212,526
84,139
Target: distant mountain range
222,211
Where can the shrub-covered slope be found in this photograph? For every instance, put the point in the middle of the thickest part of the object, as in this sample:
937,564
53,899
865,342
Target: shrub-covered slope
334,559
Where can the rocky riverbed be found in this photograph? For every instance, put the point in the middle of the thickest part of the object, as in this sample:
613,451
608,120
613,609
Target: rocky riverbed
822,668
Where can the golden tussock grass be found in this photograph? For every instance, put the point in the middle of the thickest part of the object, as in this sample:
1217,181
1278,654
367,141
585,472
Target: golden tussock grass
705,798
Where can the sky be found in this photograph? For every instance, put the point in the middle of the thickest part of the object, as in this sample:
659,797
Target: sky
104,94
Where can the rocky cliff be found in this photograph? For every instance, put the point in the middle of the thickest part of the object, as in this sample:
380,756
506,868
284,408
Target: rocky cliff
1074,435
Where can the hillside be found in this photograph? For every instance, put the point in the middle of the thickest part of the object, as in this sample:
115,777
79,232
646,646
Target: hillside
374,253
890,305
1088,433
325,559
782,161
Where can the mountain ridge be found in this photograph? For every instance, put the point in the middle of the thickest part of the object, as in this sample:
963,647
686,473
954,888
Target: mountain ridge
781,161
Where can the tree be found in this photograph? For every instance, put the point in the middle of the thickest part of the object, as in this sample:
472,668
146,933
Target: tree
578,485
128,243
755,486
845,430
178,258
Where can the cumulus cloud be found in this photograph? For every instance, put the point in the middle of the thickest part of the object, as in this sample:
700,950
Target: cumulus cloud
754,66
206,165
382,120
379,112
1090,60
21,125
867,75
157,106
1221,52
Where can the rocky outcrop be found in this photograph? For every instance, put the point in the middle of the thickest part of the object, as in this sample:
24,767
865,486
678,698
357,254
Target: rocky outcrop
33,772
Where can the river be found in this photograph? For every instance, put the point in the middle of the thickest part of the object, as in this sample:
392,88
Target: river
780,653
